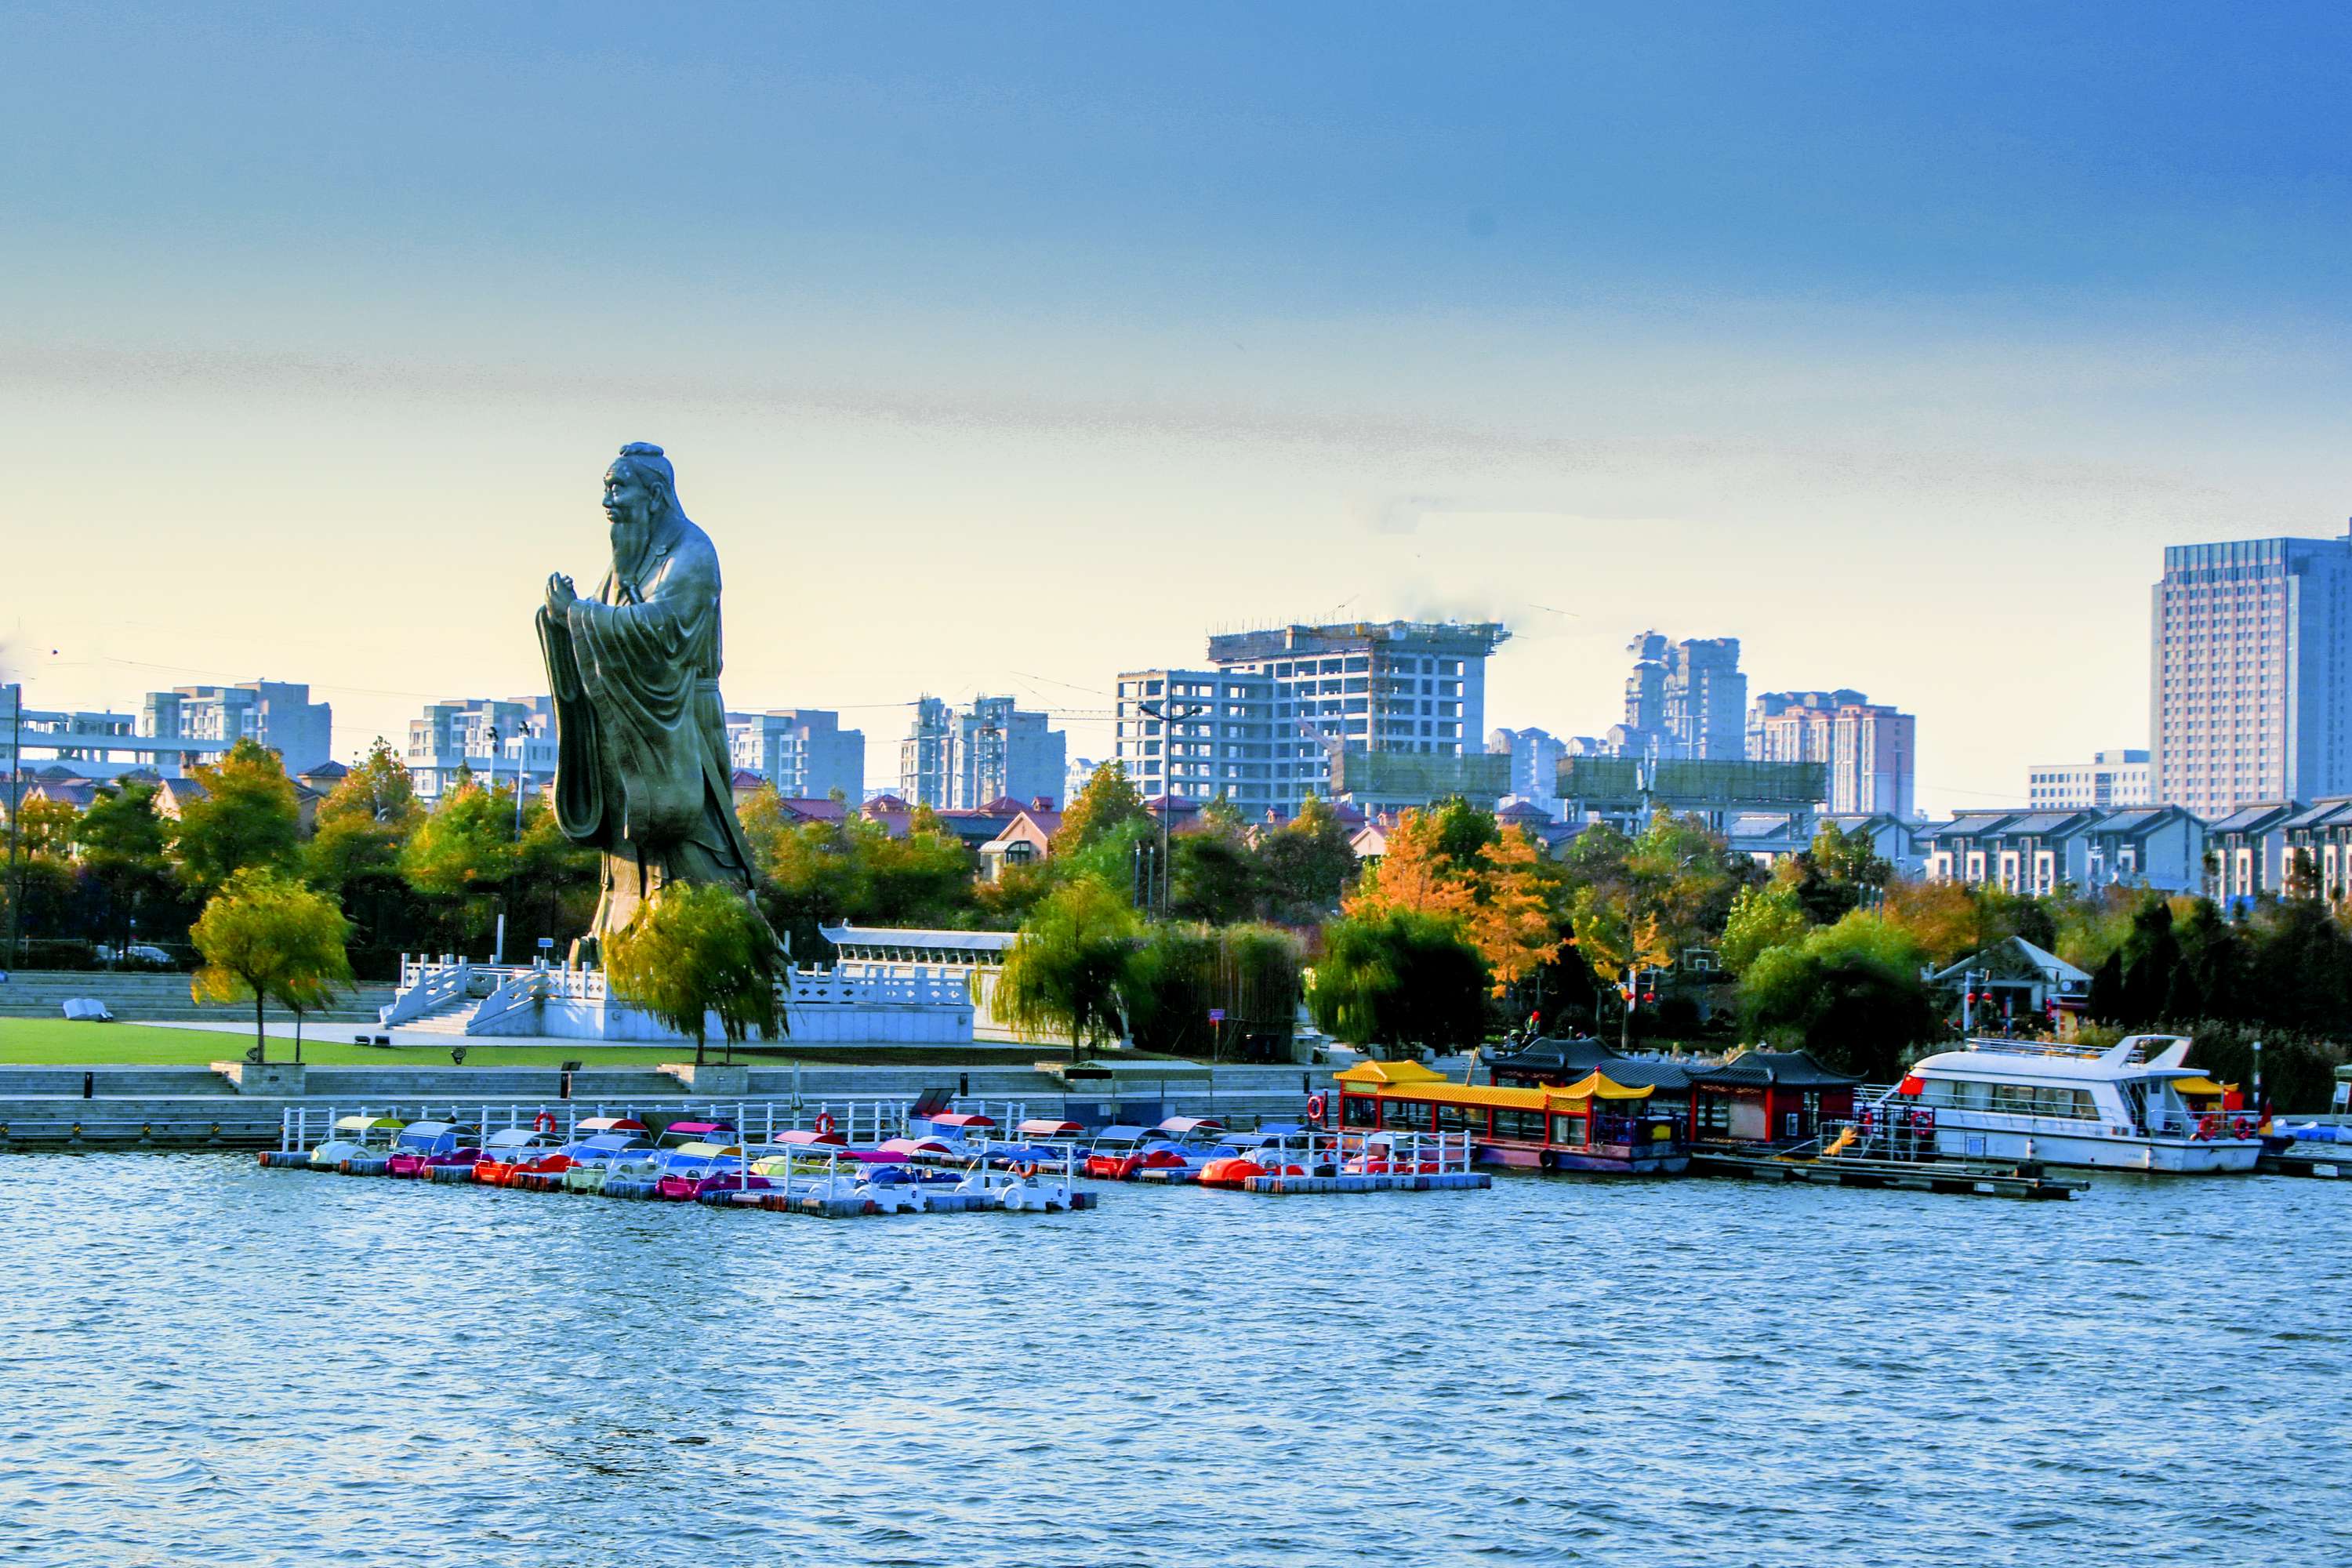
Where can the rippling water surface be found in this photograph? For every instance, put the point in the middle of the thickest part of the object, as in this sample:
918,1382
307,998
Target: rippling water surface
203,1361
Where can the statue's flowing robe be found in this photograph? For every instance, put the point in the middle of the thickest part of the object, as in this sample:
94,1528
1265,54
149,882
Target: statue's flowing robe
642,768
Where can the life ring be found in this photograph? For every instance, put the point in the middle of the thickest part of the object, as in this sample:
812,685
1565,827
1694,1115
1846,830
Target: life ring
824,1121
1025,1170
1314,1109
543,1122
2209,1126
2243,1127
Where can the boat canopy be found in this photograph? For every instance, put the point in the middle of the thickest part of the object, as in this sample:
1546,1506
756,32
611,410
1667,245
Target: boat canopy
1121,1132
802,1137
913,1146
427,1129
2199,1084
1444,1092
690,1129
369,1123
612,1124
1401,1074
961,1119
614,1141
1047,1127
1597,1085
1180,1125
515,1138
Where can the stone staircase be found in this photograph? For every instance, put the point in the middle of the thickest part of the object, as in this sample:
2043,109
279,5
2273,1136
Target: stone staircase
42,994
450,1020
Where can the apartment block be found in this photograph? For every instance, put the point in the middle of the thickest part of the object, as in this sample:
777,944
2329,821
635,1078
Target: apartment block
803,752
2116,778
279,714
1871,749
960,759
2250,684
1262,723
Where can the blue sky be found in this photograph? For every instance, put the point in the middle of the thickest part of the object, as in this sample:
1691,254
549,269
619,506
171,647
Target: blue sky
1001,347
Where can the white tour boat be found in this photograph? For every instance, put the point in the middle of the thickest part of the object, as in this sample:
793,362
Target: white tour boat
2120,1109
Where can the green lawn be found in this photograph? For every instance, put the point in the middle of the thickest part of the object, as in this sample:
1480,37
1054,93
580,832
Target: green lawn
41,1041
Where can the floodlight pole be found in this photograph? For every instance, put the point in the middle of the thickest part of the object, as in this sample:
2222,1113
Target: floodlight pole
16,824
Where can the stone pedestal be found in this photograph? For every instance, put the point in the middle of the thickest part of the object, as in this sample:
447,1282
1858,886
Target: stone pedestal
730,1080
263,1077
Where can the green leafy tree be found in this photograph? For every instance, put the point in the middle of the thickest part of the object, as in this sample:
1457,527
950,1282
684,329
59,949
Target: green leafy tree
1107,802
1250,972
125,846
922,879
1074,967
697,950
1838,872
1306,865
462,856
1852,994
1761,918
1396,977
247,814
1215,870
267,937
555,883
2151,955
357,840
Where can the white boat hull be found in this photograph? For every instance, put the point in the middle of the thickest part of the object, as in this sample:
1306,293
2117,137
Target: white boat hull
2176,1156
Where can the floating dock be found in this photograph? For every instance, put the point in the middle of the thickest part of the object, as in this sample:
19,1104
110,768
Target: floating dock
1300,1186
1963,1177
2334,1164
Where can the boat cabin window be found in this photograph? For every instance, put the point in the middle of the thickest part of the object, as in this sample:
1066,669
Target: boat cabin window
2011,1099
1568,1129
1360,1111
1526,1124
1410,1114
1462,1118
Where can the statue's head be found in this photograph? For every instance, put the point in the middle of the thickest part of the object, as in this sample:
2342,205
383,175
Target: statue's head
640,489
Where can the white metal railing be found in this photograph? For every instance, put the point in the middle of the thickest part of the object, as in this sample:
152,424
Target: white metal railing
427,984
425,990
860,1122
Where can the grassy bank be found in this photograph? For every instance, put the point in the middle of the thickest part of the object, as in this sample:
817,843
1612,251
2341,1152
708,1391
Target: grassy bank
35,1042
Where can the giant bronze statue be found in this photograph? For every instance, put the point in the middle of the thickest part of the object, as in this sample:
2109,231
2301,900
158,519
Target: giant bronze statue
642,769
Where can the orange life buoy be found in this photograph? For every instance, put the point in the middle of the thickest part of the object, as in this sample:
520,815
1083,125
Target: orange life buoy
543,1122
1315,1108
1025,1169
824,1121
2243,1127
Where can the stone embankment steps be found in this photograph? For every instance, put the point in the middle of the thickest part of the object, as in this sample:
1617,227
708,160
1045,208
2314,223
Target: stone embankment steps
124,1082
41,994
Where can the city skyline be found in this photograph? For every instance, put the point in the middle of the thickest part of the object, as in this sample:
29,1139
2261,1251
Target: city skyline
1899,349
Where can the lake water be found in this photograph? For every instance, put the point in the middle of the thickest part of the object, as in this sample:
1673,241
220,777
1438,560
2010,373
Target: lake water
203,1361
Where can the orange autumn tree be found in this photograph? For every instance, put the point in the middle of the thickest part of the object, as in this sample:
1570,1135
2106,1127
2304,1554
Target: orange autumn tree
1512,921
1414,875
1502,894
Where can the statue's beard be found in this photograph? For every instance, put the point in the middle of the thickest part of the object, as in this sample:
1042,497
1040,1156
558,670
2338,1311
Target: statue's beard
630,539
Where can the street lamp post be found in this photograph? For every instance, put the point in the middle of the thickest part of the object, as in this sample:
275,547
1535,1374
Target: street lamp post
15,828
1170,715
499,943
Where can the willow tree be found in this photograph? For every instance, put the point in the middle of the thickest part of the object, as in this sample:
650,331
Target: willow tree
268,937
1070,971
697,950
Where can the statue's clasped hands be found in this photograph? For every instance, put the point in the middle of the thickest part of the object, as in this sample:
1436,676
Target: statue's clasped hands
560,594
